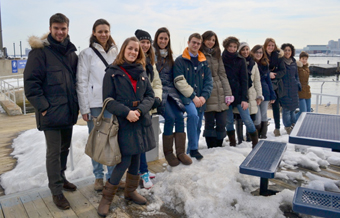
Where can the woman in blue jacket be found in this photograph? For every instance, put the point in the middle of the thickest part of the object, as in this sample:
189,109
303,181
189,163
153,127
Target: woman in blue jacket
268,93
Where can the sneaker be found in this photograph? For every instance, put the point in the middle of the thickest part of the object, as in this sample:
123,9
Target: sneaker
152,175
69,186
146,180
277,132
98,185
196,154
61,202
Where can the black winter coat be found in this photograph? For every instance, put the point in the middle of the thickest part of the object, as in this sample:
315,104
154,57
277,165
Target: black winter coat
291,84
236,69
277,66
165,71
267,88
49,81
133,137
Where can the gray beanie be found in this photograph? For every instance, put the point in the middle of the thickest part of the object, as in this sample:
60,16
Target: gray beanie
243,44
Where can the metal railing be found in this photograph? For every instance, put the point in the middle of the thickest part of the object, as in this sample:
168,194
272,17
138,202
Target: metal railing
8,90
318,95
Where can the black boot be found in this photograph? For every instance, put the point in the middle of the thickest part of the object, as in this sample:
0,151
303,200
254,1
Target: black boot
254,138
258,128
232,140
248,136
239,130
264,129
211,142
219,142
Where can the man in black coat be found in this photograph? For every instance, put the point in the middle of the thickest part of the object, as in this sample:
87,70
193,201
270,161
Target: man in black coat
49,80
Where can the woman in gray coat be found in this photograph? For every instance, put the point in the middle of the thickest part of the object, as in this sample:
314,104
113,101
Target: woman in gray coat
216,111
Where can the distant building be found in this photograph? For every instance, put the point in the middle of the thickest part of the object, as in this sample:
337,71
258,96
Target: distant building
333,44
315,49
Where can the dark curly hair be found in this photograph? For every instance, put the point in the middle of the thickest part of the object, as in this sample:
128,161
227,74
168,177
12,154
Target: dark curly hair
229,40
283,46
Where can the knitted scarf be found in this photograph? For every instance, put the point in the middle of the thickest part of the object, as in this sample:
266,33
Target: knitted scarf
134,70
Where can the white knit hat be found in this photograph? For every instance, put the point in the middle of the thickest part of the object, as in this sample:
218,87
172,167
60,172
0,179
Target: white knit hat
243,44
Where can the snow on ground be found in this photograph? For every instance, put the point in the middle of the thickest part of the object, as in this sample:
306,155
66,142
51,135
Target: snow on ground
212,187
2,111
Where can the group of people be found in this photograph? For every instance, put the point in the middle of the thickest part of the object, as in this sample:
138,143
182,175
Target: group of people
144,78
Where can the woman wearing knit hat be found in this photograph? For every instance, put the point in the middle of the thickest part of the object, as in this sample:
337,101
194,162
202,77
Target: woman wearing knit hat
261,59
254,90
172,107
236,69
216,111
145,42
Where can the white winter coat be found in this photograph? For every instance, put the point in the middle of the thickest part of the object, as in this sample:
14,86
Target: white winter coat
90,74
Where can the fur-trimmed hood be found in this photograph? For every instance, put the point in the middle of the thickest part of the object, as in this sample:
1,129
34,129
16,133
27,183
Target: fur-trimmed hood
281,53
300,64
36,42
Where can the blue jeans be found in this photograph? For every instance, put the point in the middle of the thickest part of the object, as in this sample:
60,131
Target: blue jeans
304,105
288,117
261,115
172,116
245,116
97,167
194,123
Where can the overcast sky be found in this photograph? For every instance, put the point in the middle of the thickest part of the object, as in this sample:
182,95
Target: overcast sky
297,22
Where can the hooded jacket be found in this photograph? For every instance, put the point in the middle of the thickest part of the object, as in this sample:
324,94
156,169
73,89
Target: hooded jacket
90,74
303,71
50,82
191,83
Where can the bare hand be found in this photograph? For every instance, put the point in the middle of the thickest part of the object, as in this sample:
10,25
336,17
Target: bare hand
202,100
272,101
86,117
132,116
197,102
244,105
272,75
258,101
137,113
44,113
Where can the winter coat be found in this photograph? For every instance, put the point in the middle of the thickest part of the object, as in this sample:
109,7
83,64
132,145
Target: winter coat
157,87
50,83
221,87
236,70
165,70
133,137
277,66
291,84
303,71
191,83
90,74
267,87
254,92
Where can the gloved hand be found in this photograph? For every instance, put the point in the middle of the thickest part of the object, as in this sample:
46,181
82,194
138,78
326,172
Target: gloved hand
229,99
299,87
157,103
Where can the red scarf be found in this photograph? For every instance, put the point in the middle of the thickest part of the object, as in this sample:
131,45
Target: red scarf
133,82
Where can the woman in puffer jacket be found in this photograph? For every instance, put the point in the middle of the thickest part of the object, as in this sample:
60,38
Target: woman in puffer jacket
261,121
216,110
90,74
254,90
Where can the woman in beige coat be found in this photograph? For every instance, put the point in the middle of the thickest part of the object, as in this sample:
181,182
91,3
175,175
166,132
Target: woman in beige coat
221,95
254,91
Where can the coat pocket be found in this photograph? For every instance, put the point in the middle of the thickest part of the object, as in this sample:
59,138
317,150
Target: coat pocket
54,75
146,121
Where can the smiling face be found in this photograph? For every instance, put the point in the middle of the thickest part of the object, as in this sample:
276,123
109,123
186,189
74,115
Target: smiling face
210,42
163,40
244,51
194,45
287,52
304,60
270,47
258,54
232,47
131,51
102,34
146,44
59,31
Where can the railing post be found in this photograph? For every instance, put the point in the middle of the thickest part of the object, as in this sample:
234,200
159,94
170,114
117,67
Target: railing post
24,101
337,106
317,105
321,92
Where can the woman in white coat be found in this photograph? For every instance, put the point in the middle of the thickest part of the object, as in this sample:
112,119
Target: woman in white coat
90,74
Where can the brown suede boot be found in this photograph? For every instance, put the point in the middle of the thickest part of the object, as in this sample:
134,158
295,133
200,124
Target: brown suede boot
254,138
232,140
168,151
180,138
121,185
108,193
130,192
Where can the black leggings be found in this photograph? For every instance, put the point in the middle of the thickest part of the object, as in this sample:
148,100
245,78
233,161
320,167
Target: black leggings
276,112
131,162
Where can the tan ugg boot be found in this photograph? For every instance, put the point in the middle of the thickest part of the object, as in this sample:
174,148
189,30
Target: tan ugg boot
168,141
109,191
180,138
130,192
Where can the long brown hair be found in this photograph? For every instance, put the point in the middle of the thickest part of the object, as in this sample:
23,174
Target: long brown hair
264,60
268,40
120,58
169,58
206,36
151,54
93,39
